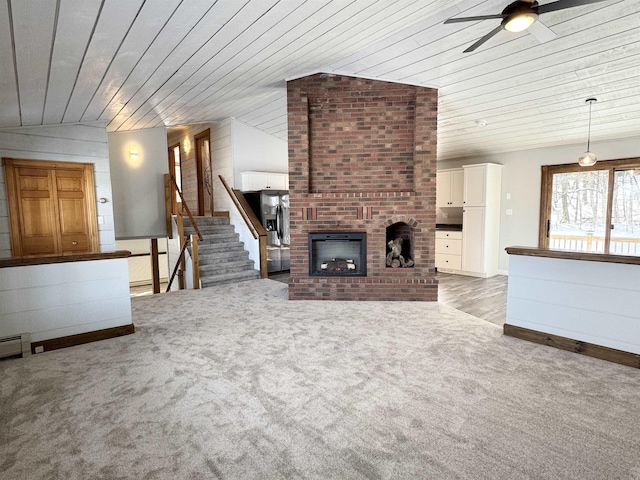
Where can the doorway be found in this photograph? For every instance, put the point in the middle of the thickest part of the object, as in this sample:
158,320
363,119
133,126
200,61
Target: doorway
203,172
176,171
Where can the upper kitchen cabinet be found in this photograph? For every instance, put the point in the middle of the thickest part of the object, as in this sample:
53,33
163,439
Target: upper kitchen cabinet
449,188
256,181
481,182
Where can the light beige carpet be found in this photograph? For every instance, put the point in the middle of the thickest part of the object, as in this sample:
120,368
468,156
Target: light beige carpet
240,383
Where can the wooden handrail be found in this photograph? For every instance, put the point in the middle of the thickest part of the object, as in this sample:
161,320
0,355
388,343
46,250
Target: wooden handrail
253,223
175,269
243,207
186,207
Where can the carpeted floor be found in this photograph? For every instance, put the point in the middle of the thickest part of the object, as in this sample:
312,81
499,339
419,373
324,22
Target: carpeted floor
240,383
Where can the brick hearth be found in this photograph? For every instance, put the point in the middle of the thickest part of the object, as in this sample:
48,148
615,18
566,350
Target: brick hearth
362,157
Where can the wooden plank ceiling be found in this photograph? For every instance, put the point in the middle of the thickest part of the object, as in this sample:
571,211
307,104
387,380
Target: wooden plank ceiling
145,63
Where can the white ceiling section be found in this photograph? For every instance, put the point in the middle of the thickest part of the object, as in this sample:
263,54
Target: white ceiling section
145,63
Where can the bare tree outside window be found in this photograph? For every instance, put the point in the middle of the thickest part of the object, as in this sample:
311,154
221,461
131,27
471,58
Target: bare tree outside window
592,210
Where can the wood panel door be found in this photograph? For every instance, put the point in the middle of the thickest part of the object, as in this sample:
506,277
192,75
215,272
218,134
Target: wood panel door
52,207
203,166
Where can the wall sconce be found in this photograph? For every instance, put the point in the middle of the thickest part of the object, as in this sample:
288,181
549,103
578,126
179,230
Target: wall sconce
187,145
133,154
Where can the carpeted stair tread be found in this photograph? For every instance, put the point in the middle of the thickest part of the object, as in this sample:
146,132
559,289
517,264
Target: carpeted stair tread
219,237
205,248
225,267
211,280
202,221
210,229
222,257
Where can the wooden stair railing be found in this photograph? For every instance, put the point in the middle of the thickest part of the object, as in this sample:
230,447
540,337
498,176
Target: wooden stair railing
254,225
169,182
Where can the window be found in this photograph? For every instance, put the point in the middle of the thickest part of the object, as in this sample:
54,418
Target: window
595,209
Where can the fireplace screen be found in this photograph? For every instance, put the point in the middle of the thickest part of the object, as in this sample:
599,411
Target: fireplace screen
338,254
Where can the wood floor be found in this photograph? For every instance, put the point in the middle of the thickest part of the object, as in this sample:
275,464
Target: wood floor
485,298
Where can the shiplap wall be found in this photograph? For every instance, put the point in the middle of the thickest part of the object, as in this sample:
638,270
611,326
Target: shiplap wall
83,143
593,302
56,300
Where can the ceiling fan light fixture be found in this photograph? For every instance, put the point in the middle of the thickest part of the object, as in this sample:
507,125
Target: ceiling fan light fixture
588,158
520,22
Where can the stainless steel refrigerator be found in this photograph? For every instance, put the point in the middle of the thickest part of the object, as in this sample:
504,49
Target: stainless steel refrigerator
274,213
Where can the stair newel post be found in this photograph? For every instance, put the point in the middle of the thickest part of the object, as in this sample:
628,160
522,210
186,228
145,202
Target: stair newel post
195,262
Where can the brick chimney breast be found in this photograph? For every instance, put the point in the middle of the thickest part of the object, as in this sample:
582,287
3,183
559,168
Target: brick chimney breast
362,158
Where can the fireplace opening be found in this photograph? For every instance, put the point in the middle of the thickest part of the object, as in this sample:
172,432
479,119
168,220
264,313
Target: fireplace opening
338,254
399,246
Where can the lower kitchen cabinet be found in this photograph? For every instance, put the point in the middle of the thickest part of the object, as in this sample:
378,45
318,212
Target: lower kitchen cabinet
448,250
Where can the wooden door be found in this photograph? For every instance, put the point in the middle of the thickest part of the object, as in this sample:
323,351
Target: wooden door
33,213
203,172
52,208
72,211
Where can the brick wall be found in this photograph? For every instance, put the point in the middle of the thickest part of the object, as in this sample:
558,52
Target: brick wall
362,158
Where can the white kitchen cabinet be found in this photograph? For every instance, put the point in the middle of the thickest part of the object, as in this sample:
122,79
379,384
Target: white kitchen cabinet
255,181
448,250
449,188
481,220
473,251
481,183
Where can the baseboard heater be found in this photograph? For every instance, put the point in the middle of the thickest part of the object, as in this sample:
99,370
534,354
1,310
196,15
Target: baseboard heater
15,345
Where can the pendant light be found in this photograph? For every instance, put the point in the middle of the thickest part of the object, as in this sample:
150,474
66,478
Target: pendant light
588,158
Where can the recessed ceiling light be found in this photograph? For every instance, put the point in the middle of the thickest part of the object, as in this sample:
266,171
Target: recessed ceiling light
481,123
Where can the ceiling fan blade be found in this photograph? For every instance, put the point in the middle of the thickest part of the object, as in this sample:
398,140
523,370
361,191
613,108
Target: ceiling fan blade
562,4
542,32
473,19
483,39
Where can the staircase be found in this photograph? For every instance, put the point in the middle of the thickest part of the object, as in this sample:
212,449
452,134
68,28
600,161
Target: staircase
221,254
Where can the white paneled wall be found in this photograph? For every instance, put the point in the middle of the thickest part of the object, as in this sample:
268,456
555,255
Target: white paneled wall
83,143
594,302
57,300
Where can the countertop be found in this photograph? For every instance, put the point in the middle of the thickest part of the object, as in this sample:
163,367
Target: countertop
451,227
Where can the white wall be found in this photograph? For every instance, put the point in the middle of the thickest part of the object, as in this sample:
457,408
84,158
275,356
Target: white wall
255,150
56,300
521,179
83,143
138,185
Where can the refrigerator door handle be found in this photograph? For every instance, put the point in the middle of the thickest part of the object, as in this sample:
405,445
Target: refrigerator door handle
278,233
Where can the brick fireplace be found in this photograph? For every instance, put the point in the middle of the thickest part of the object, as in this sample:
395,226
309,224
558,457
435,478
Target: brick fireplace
362,158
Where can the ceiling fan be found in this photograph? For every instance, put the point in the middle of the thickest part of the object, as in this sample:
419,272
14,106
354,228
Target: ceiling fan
521,15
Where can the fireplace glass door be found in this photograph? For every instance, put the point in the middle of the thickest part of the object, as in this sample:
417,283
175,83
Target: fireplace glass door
338,254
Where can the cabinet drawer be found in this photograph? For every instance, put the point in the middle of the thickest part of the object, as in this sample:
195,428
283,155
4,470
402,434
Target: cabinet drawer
453,262
448,234
448,246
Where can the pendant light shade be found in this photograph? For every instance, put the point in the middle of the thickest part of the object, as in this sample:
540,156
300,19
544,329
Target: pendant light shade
588,158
